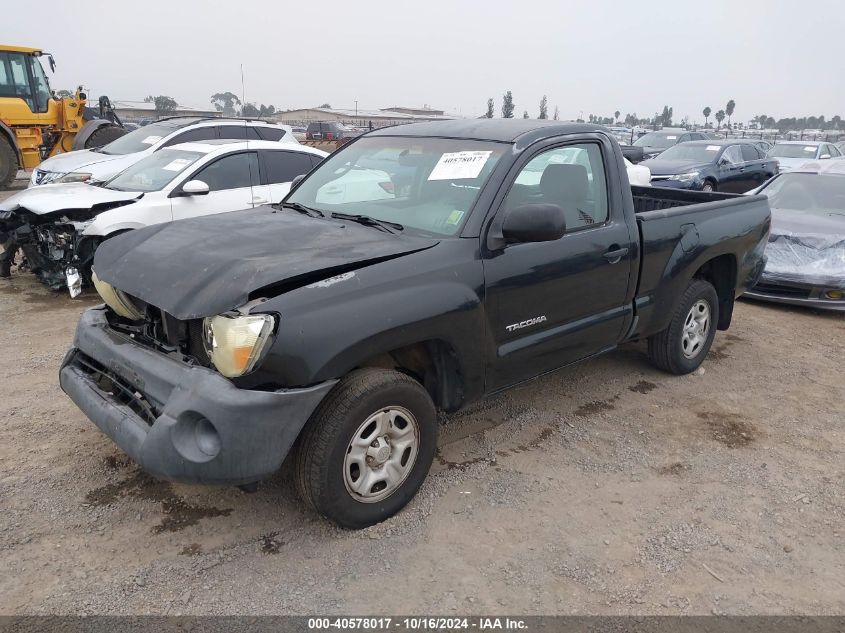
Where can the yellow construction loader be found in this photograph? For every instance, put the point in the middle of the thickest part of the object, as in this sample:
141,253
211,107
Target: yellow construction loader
35,123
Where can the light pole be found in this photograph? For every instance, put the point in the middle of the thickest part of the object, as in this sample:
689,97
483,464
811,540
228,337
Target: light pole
356,107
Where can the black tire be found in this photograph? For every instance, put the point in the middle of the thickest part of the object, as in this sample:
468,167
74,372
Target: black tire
666,348
8,163
708,186
321,457
104,135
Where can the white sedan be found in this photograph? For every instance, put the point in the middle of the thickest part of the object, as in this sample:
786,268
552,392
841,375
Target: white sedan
189,180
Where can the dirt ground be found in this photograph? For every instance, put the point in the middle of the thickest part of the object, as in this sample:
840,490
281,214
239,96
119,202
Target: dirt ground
605,488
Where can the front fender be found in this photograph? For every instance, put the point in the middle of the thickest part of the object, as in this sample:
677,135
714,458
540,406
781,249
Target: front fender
106,229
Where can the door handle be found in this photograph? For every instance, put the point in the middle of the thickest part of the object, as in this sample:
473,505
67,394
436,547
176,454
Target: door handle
615,254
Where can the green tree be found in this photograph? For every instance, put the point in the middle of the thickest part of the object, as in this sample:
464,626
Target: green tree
226,102
328,106
490,107
544,107
265,111
720,116
507,105
616,115
163,103
706,112
666,117
729,110
525,114
557,114
250,110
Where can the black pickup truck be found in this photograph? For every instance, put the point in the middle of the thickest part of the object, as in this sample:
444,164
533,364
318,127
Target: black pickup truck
420,267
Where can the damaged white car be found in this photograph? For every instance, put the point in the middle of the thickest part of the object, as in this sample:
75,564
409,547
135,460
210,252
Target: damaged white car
59,226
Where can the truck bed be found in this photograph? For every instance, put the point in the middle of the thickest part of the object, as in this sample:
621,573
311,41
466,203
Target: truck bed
653,198
681,231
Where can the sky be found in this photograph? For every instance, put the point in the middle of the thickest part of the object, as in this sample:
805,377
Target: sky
775,57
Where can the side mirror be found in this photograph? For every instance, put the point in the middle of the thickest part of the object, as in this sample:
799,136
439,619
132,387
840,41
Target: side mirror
195,188
296,181
723,162
534,223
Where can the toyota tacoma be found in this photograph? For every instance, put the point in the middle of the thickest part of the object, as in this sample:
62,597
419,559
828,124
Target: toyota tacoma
418,268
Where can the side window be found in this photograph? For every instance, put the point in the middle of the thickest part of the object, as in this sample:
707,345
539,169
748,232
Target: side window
206,133
733,155
285,166
240,132
834,151
749,152
570,177
17,83
270,133
230,172
315,160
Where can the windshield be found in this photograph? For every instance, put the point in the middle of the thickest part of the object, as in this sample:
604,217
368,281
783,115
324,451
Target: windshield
154,172
691,152
42,86
783,150
655,139
809,193
138,140
428,184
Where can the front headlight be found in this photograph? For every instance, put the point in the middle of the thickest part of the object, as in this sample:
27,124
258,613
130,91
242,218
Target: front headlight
687,177
74,176
116,300
235,343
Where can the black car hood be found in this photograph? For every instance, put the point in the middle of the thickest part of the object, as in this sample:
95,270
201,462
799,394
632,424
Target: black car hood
204,266
665,167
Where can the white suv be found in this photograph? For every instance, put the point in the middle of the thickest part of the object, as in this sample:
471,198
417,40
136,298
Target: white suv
100,164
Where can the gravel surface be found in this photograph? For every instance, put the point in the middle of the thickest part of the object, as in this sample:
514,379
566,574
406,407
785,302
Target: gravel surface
605,488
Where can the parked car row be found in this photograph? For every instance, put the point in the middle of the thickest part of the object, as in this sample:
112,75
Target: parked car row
189,168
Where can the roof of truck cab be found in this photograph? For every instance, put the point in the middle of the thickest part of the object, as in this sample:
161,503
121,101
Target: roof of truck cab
501,130
9,48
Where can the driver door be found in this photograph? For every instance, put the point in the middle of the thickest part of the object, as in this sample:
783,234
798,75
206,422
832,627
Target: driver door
233,184
732,176
553,303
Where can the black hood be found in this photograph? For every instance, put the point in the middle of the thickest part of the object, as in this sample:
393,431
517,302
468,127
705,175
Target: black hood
204,266
666,167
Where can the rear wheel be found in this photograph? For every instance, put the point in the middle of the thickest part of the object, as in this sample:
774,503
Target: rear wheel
682,347
8,163
104,135
367,449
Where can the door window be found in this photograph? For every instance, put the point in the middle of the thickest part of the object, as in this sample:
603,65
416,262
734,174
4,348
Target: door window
206,133
570,177
40,84
285,166
749,153
230,172
13,78
733,155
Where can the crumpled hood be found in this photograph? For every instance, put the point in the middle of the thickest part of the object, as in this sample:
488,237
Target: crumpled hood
67,197
806,248
204,266
666,167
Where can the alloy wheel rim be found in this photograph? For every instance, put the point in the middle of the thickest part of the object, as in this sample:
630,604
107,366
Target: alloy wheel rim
381,454
696,329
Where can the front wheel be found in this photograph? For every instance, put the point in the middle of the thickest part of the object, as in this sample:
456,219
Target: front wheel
683,345
8,163
105,135
367,449
708,186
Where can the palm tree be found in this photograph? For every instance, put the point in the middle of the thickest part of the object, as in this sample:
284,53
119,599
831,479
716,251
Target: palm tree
706,112
729,110
720,116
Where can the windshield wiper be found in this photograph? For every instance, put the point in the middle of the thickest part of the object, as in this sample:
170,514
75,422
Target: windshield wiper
301,208
390,227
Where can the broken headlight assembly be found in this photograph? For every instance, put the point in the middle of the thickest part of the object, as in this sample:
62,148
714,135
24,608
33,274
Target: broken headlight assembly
116,300
235,342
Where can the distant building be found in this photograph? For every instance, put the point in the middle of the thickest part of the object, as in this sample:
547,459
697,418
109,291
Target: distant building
361,117
134,111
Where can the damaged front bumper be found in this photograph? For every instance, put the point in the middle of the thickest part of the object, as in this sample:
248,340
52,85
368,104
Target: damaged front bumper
180,421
